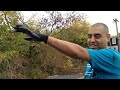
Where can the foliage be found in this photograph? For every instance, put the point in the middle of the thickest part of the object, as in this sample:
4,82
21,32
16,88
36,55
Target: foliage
57,20
24,59
76,33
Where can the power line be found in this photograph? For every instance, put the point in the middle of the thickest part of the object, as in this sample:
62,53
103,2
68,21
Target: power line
118,37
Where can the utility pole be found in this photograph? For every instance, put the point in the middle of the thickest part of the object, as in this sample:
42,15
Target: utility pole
118,37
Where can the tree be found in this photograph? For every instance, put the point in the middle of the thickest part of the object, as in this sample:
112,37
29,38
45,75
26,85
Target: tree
23,59
56,20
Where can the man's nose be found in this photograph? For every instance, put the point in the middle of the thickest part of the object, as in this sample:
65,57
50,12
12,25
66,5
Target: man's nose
92,39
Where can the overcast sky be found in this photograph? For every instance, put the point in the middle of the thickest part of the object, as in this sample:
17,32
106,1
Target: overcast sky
94,17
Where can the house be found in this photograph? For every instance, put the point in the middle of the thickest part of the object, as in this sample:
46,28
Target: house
113,44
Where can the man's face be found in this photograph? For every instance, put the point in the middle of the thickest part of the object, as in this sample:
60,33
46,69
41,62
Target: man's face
97,38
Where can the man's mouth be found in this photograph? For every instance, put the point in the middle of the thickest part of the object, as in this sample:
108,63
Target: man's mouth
93,46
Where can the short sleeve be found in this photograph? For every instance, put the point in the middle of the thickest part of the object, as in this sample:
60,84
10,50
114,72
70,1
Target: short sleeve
101,59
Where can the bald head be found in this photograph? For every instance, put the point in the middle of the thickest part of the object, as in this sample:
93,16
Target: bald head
102,25
98,36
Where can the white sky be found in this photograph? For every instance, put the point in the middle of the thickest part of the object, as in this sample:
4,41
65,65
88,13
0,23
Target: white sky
93,17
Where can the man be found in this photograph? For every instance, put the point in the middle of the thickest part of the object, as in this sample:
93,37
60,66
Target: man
104,62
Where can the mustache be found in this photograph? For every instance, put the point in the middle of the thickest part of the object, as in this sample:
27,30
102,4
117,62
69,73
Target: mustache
93,44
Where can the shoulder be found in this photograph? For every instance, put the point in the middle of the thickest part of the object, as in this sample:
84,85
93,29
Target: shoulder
102,51
103,54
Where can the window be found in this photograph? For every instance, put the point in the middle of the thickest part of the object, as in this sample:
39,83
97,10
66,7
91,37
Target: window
113,40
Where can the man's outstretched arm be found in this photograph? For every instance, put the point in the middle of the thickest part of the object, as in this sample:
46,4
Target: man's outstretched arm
71,49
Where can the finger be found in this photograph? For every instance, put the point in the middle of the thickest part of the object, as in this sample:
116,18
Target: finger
28,38
19,25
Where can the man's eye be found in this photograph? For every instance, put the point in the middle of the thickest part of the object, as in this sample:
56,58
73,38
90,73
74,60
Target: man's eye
89,36
97,36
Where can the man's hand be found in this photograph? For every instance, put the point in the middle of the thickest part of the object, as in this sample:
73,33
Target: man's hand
33,36
21,28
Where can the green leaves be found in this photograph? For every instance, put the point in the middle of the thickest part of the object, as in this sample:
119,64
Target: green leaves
32,59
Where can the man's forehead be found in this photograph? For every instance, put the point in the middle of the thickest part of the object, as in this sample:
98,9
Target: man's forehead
94,34
96,30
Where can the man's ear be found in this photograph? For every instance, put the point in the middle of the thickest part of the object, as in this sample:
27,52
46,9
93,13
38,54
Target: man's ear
108,37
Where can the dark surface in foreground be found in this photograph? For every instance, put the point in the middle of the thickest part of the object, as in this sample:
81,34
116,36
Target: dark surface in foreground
74,76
